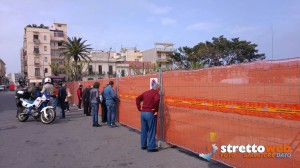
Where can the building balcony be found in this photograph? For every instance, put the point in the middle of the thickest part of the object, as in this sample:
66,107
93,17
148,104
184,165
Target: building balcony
36,41
164,50
37,64
36,52
163,59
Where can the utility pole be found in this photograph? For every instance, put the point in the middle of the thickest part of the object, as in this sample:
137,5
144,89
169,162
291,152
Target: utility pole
108,61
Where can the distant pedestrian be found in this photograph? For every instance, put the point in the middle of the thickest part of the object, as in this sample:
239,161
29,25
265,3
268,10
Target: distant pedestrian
110,102
103,107
79,95
86,100
69,95
62,95
94,99
149,111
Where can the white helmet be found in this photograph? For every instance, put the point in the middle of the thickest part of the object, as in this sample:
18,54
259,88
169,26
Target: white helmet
47,80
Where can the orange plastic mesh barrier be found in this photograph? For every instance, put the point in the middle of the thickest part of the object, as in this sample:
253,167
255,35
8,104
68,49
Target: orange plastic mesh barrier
255,103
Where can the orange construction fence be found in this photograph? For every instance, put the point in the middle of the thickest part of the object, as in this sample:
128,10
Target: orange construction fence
247,104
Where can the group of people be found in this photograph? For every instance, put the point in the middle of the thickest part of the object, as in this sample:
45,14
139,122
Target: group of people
59,95
92,98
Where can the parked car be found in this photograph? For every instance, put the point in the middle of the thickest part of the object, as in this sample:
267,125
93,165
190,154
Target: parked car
2,87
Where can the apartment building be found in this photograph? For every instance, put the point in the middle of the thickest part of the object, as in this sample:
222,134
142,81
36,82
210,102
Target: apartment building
41,47
129,54
2,72
160,55
102,65
14,77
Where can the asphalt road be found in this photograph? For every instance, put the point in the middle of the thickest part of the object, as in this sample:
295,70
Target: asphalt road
73,142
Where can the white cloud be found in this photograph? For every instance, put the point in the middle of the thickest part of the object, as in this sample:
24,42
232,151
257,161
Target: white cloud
168,22
240,29
156,9
206,26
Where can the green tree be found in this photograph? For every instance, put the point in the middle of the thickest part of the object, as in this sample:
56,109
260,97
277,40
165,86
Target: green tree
76,49
220,51
54,68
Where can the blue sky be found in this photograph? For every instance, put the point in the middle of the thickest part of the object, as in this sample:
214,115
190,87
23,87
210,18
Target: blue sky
140,23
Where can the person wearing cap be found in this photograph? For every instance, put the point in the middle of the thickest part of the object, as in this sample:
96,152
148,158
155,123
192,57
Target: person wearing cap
149,111
86,100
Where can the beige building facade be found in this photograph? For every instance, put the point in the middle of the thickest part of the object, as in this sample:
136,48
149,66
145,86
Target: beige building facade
41,47
160,55
102,65
2,72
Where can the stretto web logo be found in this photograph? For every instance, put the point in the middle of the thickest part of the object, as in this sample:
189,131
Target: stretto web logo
256,151
250,151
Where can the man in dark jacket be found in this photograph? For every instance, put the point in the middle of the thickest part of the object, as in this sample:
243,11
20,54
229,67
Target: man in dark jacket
149,111
86,101
62,94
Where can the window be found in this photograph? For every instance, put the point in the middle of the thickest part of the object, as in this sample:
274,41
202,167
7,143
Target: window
36,49
52,43
100,69
45,37
59,43
58,25
158,56
37,72
45,59
58,34
56,52
110,69
45,48
46,70
36,60
90,69
35,37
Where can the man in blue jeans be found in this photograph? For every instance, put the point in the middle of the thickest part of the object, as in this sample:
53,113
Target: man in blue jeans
110,101
149,111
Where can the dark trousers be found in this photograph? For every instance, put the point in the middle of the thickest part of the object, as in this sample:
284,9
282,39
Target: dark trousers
79,103
67,107
87,108
104,112
62,106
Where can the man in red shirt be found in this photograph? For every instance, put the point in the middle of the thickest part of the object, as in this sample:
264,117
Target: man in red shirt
149,111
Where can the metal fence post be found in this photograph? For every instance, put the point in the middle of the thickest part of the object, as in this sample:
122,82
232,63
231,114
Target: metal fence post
117,94
161,107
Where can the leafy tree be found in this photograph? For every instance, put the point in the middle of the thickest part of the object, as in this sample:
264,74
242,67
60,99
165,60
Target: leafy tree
220,51
76,49
54,68
74,71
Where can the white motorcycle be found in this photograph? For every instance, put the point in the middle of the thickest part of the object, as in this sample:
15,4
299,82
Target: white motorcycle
37,108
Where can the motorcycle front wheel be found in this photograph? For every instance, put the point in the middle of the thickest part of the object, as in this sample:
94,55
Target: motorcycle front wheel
49,116
22,116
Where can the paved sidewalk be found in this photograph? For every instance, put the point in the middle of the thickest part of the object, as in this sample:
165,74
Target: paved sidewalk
120,147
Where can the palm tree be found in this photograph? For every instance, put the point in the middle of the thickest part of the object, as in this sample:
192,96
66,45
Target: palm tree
76,49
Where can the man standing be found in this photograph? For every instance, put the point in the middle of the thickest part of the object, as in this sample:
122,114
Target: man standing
149,111
94,98
110,102
79,95
62,94
86,100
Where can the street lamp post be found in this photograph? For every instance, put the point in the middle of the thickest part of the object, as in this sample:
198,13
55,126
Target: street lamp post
108,61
